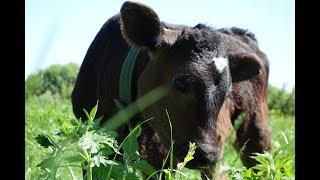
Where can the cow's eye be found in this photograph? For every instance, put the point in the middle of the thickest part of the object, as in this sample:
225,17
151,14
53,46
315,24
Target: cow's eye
182,84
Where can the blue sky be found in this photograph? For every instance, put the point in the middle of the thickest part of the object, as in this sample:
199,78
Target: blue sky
60,31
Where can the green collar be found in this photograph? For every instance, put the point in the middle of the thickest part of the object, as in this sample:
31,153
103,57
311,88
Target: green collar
126,75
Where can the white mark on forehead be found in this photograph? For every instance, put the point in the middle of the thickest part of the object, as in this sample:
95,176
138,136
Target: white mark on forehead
220,63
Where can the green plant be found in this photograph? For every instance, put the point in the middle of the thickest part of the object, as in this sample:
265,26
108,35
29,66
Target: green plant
78,144
274,166
87,146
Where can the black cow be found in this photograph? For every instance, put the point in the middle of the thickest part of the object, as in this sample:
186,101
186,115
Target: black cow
213,76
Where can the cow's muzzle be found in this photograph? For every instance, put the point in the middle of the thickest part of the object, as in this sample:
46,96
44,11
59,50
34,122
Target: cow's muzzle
205,155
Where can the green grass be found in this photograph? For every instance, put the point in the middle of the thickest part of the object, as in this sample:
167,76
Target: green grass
44,112
42,116
283,146
280,124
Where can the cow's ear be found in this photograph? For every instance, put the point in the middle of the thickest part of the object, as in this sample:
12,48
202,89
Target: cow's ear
244,66
140,25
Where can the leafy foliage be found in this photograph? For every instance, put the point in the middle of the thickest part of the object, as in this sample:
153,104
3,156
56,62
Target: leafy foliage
82,144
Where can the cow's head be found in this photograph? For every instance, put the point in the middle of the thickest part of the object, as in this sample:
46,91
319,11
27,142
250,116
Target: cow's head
199,65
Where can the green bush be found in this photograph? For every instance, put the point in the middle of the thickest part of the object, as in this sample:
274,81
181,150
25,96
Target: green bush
58,79
33,85
280,99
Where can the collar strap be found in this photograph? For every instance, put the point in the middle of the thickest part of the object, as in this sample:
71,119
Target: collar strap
126,76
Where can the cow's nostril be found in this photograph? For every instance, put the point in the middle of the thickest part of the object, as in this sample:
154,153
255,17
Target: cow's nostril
203,157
